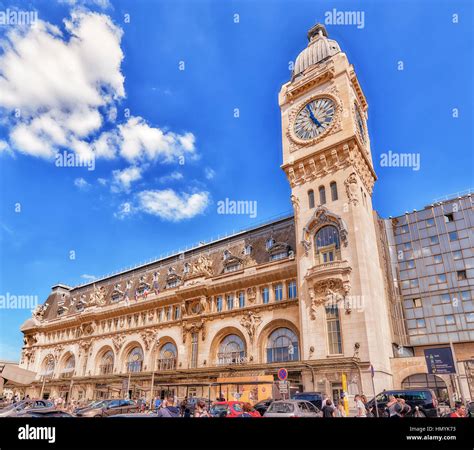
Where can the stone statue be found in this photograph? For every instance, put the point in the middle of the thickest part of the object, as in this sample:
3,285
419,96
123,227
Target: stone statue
97,297
38,312
352,189
203,265
251,321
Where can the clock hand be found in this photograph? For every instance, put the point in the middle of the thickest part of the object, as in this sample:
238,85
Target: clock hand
311,115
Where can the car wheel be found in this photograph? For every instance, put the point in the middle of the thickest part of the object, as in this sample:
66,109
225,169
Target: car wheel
98,415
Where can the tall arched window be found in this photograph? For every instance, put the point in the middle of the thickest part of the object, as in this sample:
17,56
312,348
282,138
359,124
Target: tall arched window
69,367
311,199
322,195
231,350
107,362
334,330
135,360
48,367
168,357
282,346
427,381
327,244
333,187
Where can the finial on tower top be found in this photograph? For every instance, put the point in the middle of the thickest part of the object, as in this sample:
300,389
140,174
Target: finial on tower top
317,30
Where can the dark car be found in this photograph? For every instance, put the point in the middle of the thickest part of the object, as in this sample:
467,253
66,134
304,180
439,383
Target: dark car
105,408
421,401
45,412
263,405
316,398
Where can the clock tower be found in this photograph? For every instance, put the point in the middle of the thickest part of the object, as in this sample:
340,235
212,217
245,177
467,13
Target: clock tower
344,316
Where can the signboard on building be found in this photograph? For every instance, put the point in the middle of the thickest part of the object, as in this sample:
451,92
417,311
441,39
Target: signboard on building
439,360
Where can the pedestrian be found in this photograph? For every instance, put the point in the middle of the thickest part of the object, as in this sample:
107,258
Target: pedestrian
328,409
368,411
340,410
361,411
459,411
325,399
157,403
405,407
247,410
184,405
168,408
393,407
201,410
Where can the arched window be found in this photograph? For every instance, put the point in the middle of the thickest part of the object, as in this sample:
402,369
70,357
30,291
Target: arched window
327,244
333,187
135,360
168,357
69,366
282,346
107,362
427,381
322,195
311,198
231,350
48,367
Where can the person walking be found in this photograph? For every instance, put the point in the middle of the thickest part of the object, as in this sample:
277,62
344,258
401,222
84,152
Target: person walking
325,399
201,410
459,411
168,409
340,411
361,411
393,407
328,409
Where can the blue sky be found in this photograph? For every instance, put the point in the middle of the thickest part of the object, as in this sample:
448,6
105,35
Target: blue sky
109,81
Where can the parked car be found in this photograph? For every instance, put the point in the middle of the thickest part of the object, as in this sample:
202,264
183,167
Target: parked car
292,408
424,399
230,409
316,398
106,408
44,412
263,405
15,409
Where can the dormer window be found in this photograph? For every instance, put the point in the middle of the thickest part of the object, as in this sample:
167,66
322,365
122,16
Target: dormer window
270,243
186,268
279,255
80,306
61,310
232,267
248,250
226,255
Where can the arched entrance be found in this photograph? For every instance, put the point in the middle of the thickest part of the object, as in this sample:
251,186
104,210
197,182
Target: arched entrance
426,380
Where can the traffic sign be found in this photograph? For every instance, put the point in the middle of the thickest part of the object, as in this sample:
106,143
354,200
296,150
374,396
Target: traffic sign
282,374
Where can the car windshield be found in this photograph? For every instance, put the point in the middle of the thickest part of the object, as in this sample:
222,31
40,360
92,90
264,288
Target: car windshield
281,408
237,407
218,408
98,404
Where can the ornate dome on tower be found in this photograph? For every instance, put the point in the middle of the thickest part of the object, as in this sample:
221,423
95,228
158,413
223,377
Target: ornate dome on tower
319,48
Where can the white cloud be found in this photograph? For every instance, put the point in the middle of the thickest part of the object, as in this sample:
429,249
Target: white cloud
140,141
123,179
125,210
209,173
4,147
102,181
173,176
81,183
60,105
88,277
173,206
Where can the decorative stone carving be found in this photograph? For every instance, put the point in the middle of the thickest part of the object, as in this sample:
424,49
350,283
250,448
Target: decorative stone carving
117,341
84,346
97,297
38,312
87,328
352,189
251,321
202,266
194,327
149,337
329,292
57,350
296,203
251,294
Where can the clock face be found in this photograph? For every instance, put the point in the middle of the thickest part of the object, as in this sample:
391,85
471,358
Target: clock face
314,118
360,123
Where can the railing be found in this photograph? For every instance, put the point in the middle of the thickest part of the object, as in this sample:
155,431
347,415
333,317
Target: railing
166,364
106,369
135,366
282,354
67,374
229,358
